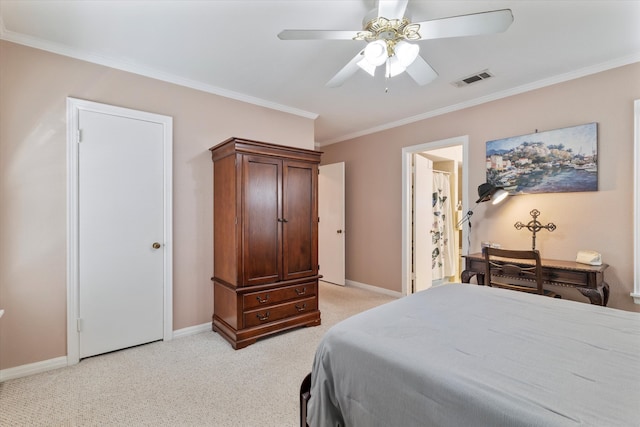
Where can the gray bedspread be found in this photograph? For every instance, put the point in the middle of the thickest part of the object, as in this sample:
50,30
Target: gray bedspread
467,355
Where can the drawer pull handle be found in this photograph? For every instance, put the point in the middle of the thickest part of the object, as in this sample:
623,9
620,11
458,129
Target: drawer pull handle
262,301
303,308
301,292
263,317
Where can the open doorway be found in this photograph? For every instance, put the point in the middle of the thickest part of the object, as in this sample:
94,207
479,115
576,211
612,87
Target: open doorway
448,158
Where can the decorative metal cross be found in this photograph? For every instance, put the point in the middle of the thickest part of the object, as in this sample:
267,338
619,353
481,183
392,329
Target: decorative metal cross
534,226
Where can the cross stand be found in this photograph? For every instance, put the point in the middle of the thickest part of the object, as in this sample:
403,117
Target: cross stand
534,226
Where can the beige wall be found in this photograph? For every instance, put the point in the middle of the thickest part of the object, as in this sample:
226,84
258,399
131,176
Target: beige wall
601,221
33,88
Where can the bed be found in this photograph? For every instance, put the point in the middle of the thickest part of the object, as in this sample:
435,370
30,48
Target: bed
468,355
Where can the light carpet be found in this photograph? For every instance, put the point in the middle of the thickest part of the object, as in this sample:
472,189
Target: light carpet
197,380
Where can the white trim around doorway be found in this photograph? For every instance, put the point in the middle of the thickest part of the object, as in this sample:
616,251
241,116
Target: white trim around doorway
407,152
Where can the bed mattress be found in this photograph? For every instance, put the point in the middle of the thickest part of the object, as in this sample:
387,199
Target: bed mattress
468,355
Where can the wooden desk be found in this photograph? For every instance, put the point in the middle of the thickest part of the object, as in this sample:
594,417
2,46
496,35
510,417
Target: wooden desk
587,279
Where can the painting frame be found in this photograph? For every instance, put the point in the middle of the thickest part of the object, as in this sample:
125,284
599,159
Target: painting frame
554,161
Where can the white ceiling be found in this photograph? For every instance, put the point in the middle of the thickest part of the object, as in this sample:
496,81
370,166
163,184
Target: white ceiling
231,48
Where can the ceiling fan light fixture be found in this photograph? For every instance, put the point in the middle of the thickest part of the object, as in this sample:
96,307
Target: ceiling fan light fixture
367,66
376,52
394,67
406,52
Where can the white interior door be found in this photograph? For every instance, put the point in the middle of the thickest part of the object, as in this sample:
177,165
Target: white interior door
422,222
121,232
331,233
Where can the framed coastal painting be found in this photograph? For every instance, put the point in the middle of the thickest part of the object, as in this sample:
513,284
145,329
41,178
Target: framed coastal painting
555,161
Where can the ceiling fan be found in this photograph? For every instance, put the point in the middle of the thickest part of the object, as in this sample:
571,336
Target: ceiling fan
389,33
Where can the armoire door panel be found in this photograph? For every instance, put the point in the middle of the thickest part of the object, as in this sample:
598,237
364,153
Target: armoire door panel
300,211
261,213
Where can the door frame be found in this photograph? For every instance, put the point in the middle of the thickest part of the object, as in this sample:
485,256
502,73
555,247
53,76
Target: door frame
74,105
407,153
636,177
421,230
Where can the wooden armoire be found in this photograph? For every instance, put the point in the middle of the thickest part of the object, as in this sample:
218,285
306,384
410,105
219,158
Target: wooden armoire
265,222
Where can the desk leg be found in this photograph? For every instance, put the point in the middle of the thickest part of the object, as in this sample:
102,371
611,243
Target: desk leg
466,276
598,296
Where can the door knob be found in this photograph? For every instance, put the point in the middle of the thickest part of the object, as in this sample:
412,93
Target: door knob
156,245
339,231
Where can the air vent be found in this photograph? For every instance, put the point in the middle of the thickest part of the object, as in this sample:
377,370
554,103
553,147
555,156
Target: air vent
474,78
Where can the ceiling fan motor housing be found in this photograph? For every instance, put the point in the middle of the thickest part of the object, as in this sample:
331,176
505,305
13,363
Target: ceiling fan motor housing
380,28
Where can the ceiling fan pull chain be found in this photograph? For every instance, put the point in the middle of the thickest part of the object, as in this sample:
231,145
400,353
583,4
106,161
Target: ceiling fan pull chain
387,76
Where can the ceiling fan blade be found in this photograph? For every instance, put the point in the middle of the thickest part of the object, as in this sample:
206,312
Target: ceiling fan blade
421,71
466,25
392,9
346,71
317,34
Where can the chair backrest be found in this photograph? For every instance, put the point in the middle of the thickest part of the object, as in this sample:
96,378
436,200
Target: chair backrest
503,269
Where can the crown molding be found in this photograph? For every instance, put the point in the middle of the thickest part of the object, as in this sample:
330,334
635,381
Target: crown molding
130,67
560,78
170,78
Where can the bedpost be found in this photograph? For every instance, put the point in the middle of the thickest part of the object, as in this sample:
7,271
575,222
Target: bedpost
305,394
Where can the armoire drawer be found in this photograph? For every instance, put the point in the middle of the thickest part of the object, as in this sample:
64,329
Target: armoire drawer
277,295
275,312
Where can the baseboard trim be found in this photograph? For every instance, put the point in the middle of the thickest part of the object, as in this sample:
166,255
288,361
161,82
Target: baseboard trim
192,330
33,368
61,362
371,288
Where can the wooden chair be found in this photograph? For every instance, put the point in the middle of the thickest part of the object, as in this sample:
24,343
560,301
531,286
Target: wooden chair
504,271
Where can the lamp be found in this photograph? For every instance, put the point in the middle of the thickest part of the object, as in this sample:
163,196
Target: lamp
367,66
394,67
376,52
406,52
486,192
